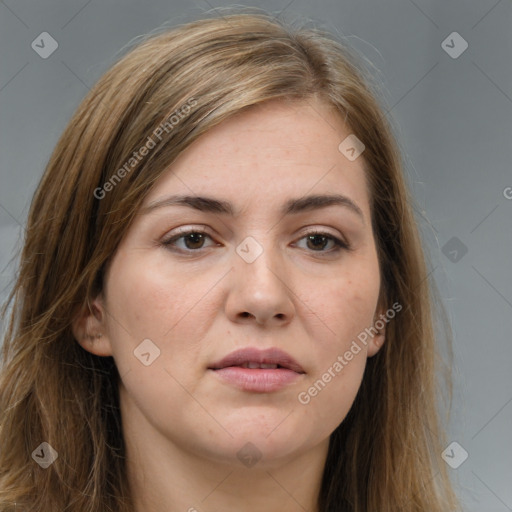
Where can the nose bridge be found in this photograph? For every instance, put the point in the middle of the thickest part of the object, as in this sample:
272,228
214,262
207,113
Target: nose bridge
259,261
260,285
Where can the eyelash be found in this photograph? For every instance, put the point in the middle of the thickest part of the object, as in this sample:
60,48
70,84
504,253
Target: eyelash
339,244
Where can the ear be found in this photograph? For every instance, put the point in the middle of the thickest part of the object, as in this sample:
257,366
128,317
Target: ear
89,328
378,329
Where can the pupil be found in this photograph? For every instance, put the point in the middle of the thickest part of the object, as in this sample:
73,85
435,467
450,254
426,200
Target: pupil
313,237
195,238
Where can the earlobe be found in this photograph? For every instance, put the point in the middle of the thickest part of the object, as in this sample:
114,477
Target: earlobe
89,329
376,342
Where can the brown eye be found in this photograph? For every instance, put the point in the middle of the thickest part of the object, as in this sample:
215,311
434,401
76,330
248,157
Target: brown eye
318,241
193,240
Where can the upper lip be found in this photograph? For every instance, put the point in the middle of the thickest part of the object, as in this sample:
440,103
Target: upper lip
254,355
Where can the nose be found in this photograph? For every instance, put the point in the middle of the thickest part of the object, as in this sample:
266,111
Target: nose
260,291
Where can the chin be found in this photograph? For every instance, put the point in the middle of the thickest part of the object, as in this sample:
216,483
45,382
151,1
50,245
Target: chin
253,452
265,440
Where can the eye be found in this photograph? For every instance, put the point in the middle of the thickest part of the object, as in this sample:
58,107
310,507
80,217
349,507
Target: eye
318,240
193,240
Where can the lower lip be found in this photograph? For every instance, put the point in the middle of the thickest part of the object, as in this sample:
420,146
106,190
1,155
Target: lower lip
259,380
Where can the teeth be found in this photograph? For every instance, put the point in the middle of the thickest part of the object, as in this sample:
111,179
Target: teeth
266,366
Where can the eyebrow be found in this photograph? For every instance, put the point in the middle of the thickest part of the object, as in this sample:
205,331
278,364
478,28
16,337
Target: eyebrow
290,207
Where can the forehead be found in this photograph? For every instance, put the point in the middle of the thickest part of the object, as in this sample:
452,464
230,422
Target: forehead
266,154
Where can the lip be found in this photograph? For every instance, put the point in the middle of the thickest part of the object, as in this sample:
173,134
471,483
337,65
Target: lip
259,380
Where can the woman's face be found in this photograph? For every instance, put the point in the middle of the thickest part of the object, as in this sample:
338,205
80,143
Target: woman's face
175,305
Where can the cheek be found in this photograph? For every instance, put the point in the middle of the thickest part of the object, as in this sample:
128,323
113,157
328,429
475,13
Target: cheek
141,289
346,308
148,302
341,358
148,299
343,307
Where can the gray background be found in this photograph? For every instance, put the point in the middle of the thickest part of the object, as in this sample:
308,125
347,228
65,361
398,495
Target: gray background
453,118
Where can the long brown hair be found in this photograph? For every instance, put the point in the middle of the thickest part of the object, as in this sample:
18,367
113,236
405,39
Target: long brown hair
385,455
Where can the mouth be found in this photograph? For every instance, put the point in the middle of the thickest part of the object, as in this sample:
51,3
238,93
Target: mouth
260,371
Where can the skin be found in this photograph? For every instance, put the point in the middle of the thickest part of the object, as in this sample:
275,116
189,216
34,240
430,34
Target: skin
182,425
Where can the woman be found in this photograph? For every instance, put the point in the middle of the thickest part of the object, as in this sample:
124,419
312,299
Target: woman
223,302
